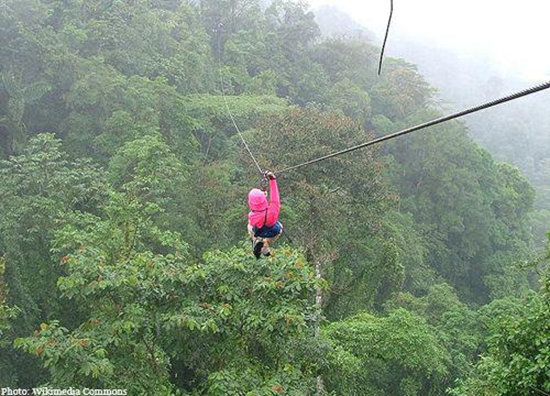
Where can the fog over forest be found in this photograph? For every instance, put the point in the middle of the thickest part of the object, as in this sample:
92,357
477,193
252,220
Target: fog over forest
505,36
519,132
172,220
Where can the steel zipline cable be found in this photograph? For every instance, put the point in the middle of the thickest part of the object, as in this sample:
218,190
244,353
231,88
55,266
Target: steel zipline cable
440,120
227,105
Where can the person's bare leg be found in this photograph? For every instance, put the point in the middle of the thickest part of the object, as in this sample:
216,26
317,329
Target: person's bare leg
268,242
250,232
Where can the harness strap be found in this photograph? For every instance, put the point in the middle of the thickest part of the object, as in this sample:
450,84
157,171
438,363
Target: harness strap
265,219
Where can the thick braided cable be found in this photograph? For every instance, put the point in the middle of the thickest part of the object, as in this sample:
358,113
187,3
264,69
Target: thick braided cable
440,120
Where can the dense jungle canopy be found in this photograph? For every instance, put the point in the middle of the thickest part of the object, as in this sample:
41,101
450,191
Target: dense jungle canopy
411,268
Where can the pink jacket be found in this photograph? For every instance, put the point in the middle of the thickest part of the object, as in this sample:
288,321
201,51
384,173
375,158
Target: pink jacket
262,212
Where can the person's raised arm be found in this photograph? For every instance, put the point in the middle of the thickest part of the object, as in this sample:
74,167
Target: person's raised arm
273,189
274,200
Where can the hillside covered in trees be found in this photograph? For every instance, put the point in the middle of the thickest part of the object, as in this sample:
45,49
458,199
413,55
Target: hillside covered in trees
409,269
517,133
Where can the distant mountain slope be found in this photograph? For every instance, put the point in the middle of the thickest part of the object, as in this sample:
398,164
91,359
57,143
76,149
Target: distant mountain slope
334,22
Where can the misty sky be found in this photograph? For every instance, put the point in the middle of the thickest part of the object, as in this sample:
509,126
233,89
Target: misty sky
515,34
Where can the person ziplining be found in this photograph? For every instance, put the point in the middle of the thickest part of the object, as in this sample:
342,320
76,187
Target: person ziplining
264,226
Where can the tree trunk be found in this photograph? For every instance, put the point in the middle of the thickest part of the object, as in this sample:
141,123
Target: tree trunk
318,305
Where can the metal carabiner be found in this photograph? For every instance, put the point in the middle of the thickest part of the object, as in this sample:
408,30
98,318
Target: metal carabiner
264,183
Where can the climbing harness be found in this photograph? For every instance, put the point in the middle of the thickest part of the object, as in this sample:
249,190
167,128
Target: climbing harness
436,121
222,86
385,38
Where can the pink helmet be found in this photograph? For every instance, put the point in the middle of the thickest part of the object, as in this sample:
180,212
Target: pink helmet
257,200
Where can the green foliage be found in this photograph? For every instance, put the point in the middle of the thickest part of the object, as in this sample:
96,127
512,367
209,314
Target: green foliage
262,315
459,329
518,355
39,188
105,226
398,354
351,99
123,109
18,98
7,372
471,211
401,92
109,272
213,126
399,227
147,309
146,169
517,359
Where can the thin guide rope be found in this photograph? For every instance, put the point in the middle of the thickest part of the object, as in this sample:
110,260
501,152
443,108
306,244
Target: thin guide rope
227,105
436,121
385,38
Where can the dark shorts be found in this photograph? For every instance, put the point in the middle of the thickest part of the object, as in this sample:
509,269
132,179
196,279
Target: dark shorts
268,232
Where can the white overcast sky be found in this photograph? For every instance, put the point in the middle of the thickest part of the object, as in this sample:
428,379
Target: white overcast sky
515,34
